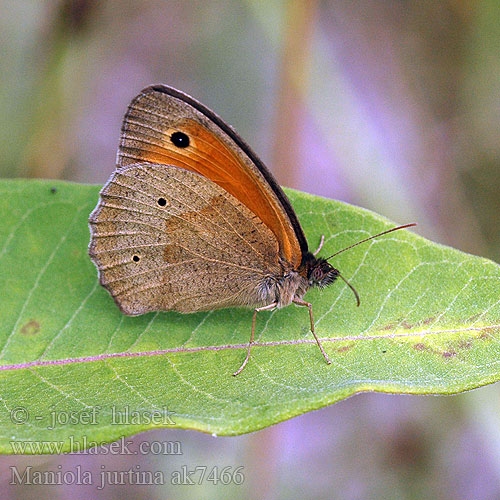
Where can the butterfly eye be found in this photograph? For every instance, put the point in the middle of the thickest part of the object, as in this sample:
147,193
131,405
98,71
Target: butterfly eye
162,202
136,258
180,139
317,273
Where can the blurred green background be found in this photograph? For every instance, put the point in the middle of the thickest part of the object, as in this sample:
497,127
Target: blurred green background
392,105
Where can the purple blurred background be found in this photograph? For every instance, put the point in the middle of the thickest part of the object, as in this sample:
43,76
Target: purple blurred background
393,106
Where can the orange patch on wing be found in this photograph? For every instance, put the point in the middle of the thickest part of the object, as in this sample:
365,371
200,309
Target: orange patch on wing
209,156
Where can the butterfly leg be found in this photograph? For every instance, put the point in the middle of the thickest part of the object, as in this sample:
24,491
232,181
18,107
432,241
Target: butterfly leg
320,245
301,302
256,310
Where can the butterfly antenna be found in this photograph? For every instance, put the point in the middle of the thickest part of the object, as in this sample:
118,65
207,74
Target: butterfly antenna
371,238
351,287
359,243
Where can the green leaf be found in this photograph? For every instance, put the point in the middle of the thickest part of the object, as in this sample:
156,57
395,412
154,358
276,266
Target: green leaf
73,365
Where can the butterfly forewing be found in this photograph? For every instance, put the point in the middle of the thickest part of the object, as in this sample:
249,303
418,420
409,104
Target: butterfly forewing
212,149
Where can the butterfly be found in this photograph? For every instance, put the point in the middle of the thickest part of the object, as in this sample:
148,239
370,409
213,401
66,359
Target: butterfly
192,220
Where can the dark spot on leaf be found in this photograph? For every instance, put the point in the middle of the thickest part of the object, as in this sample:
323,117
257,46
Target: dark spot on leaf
429,320
406,325
490,331
345,348
485,334
384,351
420,347
449,354
30,328
464,344
390,326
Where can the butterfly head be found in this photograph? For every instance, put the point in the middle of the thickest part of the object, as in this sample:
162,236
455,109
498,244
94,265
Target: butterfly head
320,273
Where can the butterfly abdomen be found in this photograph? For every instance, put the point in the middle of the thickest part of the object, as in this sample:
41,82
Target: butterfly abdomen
282,289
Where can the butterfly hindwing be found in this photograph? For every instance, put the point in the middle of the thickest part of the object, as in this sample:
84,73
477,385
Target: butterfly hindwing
166,238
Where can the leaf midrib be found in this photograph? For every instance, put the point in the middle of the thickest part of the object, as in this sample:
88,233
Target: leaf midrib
215,348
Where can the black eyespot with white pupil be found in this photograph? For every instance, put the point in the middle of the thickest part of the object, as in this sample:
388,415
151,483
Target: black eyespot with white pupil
180,139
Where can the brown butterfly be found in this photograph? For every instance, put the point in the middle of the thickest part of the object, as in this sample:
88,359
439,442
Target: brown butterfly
191,219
